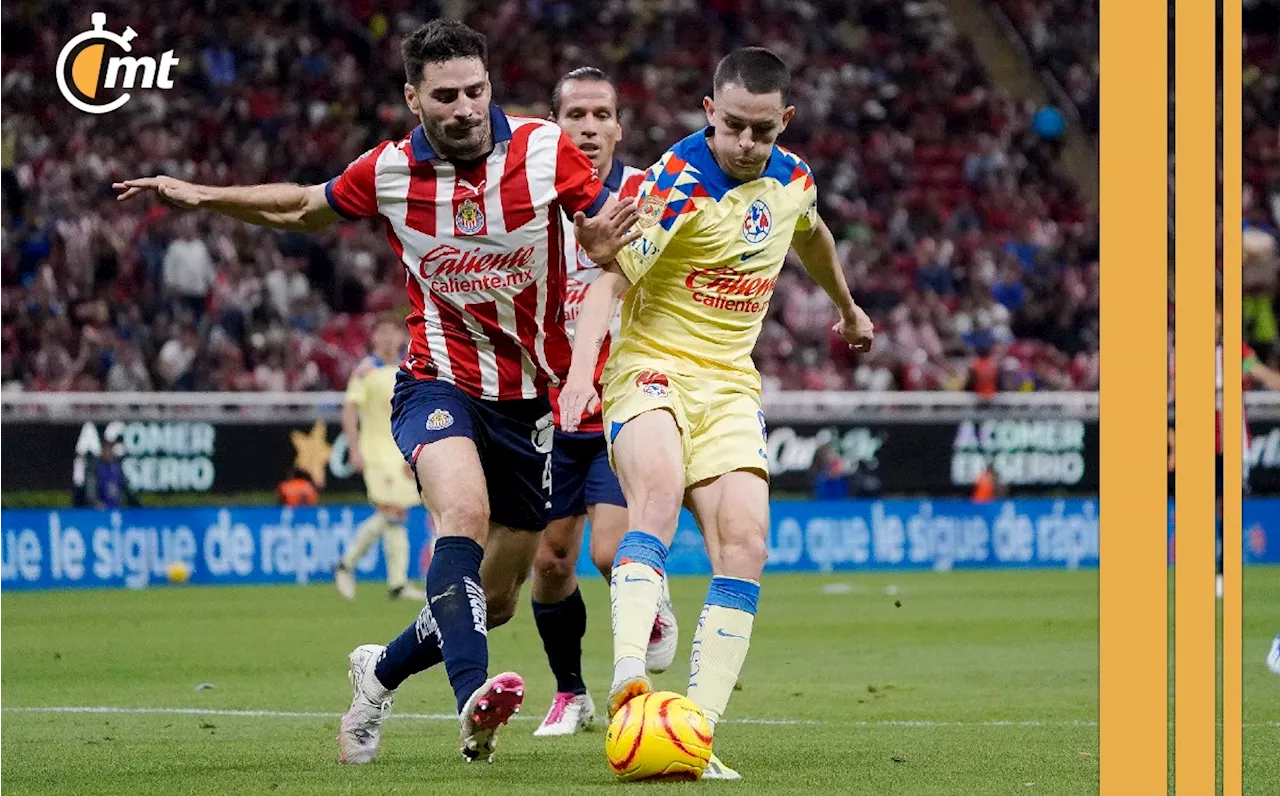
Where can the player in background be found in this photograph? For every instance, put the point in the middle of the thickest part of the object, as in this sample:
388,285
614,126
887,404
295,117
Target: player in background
585,105
682,412
366,420
472,202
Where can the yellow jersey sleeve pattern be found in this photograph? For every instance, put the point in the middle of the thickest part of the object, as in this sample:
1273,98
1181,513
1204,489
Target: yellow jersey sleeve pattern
666,203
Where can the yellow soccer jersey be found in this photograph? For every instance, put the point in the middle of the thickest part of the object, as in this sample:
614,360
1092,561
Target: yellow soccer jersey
370,388
705,268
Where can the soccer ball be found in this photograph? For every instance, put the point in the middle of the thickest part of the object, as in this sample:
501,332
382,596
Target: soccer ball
177,572
658,736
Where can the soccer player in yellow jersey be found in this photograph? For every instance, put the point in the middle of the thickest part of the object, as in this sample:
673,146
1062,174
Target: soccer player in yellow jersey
682,415
366,419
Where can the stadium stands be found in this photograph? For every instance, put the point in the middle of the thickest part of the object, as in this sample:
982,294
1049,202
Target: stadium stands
962,237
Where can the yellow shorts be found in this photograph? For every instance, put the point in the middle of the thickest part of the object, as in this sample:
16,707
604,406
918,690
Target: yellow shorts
389,483
721,425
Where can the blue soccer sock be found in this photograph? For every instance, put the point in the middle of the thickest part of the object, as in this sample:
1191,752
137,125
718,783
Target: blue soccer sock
457,604
415,650
562,626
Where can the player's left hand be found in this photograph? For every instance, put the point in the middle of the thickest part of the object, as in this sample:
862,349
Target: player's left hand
603,236
577,398
856,329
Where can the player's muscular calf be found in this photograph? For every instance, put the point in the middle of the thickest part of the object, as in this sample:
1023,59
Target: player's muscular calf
555,564
733,513
508,557
649,459
608,524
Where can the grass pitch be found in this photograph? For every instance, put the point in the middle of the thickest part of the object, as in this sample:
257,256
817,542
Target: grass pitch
956,683
1261,710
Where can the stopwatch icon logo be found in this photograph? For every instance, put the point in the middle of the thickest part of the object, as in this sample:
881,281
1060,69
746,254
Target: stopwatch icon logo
84,70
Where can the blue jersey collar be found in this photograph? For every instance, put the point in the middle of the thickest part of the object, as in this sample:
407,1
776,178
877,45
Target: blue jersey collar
614,181
422,150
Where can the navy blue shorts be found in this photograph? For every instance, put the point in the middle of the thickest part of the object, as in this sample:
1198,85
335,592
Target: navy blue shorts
514,439
581,475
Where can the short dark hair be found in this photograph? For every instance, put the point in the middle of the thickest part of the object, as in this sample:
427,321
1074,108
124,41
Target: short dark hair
756,69
438,41
588,73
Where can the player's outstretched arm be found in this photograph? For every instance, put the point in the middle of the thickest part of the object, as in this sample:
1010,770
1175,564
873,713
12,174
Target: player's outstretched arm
598,306
283,206
817,249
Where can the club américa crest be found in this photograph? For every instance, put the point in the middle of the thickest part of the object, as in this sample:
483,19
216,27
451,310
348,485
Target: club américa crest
653,384
758,223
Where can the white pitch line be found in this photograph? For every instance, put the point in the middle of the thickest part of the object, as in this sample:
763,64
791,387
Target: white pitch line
451,717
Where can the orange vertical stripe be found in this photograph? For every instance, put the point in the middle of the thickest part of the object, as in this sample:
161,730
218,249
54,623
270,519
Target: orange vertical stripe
1195,643
1133,630
1232,455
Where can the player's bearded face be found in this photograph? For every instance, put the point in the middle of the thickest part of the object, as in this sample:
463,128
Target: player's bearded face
452,101
745,127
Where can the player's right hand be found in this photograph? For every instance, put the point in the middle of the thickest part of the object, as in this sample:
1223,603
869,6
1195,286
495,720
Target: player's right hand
177,192
577,397
857,330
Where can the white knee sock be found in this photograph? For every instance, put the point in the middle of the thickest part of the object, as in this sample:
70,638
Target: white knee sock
720,643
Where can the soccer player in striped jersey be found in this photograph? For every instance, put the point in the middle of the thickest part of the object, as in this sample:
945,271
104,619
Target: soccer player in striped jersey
682,411
473,201
585,105
366,420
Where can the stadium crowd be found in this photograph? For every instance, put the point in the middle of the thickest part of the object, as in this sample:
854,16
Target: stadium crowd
1062,37
1261,173
975,255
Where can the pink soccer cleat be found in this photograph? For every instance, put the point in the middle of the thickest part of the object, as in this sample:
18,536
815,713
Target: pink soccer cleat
491,706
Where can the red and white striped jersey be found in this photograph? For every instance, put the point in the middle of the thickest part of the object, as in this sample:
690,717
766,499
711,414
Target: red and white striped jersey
622,181
483,246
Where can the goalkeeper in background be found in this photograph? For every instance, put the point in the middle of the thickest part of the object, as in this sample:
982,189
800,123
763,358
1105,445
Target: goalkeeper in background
682,412
366,420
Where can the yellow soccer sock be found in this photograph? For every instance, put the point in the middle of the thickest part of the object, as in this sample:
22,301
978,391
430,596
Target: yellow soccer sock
634,590
366,534
720,643
395,546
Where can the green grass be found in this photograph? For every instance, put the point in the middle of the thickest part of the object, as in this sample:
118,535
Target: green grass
963,652
1261,712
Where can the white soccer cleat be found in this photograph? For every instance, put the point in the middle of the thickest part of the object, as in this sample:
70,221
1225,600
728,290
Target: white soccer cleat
665,636
718,770
626,690
491,706
570,713
1273,657
359,733
345,580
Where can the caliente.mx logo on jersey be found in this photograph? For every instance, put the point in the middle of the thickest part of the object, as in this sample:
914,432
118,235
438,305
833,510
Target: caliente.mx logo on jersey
469,218
758,223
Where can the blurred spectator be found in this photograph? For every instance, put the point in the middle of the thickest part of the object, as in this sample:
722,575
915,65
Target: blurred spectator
129,373
111,488
298,490
830,474
188,268
175,366
988,486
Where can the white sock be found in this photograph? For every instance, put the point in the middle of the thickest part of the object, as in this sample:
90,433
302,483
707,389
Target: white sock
366,534
720,643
